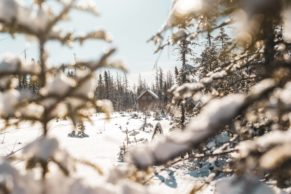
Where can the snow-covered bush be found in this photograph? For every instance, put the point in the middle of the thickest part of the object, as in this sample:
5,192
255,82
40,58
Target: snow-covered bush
48,168
240,86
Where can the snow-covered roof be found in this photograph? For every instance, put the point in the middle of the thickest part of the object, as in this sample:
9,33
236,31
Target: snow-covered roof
150,92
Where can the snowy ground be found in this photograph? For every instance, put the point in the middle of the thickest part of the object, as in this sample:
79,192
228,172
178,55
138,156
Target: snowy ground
102,147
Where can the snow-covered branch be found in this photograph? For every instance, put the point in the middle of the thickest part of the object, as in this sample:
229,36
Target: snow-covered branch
94,35
44,152
206,124
213,117
11,64
189,89
23,19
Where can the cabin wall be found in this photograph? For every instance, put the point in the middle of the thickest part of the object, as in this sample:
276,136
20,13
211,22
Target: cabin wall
147,102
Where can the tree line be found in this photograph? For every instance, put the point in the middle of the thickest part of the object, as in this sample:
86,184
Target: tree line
116,87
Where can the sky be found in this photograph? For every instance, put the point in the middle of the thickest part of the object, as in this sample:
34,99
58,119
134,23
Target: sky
130,22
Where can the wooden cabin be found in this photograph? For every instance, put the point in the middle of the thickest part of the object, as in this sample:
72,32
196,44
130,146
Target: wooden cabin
147,101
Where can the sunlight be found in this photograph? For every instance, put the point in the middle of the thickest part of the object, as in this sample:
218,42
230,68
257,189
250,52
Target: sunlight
185,7
287,24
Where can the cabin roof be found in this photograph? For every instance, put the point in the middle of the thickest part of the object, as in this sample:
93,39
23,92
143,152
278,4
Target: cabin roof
150,92
189,67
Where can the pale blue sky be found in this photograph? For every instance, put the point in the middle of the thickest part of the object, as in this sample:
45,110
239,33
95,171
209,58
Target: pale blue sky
130,22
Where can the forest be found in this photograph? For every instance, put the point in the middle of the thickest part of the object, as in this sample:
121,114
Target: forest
218,122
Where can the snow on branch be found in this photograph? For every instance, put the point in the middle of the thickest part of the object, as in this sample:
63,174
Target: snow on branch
242,184
45,149
179,35
24,19
58,95
284,96
62,89
12,64
278,144
189,89
105,106
45,152
213,117
40,21
50,93
272,150
13,182
185,10
9,100
94,35
88,6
